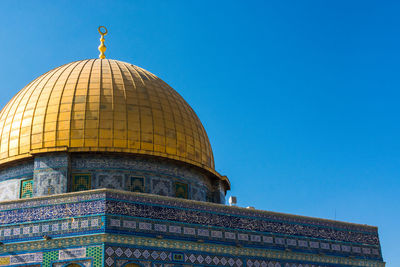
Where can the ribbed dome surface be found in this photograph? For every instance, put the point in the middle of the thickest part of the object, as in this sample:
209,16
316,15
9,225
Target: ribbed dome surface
102,105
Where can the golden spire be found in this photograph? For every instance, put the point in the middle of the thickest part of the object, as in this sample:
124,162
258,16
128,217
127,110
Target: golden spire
102,47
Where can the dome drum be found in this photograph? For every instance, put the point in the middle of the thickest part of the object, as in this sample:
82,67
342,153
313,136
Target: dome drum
62,172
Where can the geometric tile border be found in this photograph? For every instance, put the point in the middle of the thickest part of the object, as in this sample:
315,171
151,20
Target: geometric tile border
54,228
174,245
106,210
208,233
117,255
47,258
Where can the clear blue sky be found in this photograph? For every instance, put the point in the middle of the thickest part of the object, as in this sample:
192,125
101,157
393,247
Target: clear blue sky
300,99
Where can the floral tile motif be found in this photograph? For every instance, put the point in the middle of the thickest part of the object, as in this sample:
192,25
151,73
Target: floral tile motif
122,255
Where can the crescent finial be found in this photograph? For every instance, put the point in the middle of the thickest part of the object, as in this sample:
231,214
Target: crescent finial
102,48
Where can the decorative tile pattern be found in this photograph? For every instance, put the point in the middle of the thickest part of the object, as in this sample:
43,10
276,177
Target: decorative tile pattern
81,182
162,187
141,174
26,258
49,256
72,253
243,237
255,238
21,171
174,229
135,248
136,184
144,226
109,180
203,232
160,227
139,215
50,174
4,261
38,229
216,234
55,257
117,256
225,220
189,231
96,253
181,190
207,234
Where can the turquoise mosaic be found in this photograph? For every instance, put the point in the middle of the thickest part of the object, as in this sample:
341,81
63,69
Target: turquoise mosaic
26,188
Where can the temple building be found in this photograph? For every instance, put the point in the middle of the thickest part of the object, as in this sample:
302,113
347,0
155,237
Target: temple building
104,164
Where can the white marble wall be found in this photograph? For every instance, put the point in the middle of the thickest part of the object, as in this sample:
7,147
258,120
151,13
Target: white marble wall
10,189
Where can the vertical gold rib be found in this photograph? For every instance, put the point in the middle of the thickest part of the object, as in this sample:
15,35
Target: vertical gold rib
139,72
139,108
126,106
126,94
3,119
61,97
190,113
36,81
101,86
73,99
178,107
185,111
152,78
5,111
203,135
49,97
166,97
139,111
172,103
86,104
112,103
15,107
157,90
37,100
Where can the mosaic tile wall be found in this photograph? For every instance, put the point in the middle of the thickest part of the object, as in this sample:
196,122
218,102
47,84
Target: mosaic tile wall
26,190
158,176
120,250
86,256
173,230
51,174
108,211
55,173
22,170
54,228
11,177
81,182
120,256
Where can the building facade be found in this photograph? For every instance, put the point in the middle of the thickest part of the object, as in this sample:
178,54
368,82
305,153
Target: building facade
103,164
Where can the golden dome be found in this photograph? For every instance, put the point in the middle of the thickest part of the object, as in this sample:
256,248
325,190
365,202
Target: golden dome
102,105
